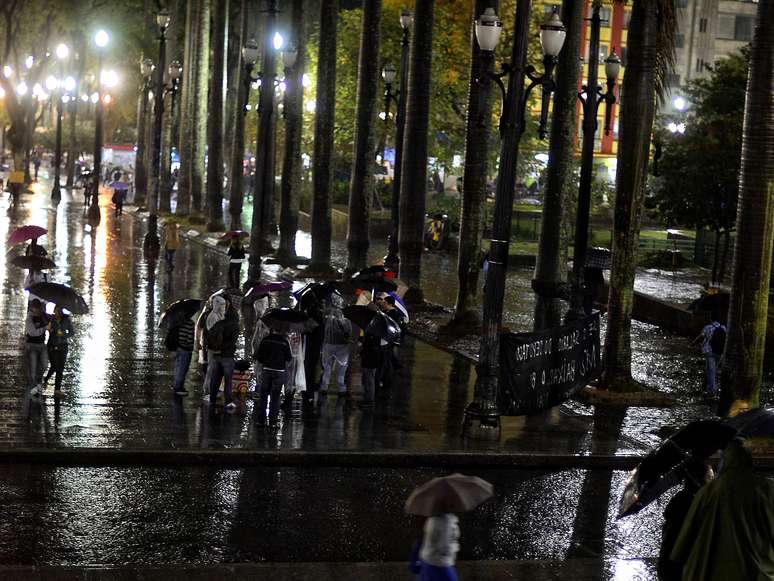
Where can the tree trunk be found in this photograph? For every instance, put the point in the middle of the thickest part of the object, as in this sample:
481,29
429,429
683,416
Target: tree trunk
165,185
637,113
185,145
477,137
215,118
550,268
72,142
294,126
742,367
236,161
362,183
200,114
323,137
413,180
233,64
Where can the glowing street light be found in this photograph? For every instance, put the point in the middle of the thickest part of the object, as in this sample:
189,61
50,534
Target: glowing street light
2,92
680,103
62,51
311,106
109,78
107,99
52,83
101,38
21,89
94,97
29,61
69,84
278,41
7,71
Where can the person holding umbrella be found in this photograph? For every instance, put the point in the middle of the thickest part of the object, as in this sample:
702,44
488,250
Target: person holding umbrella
236,255
60,330
221,334
35,352
273,355
180,319
35,249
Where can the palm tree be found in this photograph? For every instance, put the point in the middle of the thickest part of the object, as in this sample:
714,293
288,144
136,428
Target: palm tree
236,170
165,188
185,145
294,126
477,138
748,310
413,188
199,105
79,43
215,119
362,181
323,138
651,55
550,269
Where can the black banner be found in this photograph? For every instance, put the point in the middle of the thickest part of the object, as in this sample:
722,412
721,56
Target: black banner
540,370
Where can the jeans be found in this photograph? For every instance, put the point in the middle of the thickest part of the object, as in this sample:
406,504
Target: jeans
57,357
271,386
169,258
386,370
338,355
711,372
36,358
221,368
234,274
182,362
369,380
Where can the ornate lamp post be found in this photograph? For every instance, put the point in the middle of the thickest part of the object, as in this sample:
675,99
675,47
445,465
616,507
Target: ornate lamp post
389,73
591,96
101,39
392,260
482,416
151,243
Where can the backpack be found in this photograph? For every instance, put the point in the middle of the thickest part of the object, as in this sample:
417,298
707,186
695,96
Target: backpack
171,340
718,340
339,331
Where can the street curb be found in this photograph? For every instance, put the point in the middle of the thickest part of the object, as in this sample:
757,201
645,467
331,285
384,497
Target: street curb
307,459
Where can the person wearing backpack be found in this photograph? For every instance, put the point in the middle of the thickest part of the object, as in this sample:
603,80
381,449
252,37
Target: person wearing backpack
713,340
336,346
220,336
274,355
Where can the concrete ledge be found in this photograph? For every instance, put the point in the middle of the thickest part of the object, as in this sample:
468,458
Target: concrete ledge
594,396
303,458
586,569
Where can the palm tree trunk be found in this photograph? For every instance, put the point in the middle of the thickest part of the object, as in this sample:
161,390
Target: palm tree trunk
185,145
477,137
636,123
215,118
413,180
200,113
748,310
550,268
236,168
323,137
72,145
165,175
233,64
362,182
294,125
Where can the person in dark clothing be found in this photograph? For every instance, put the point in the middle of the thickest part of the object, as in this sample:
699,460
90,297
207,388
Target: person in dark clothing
593,280
35,249
274,355
59,331
314,343
35,352
370,360
236,254
119,196
185,345
696,475
388,361
221,334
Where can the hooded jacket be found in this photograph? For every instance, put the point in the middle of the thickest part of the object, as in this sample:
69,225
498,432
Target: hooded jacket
729,530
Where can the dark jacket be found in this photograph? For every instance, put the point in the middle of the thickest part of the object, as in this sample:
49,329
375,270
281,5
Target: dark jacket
236,252
371,355
59,331
274,352
185,335
223,335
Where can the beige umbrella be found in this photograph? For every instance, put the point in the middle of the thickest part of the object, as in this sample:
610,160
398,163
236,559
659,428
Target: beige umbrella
454,493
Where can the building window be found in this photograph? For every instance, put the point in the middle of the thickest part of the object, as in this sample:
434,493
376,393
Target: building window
679,40
743,30
603,52
699,65
549,9
604,15
726,26
673,80
627,18
702,25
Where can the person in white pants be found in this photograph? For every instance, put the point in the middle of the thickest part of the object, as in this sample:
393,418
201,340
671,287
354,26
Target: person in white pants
336,346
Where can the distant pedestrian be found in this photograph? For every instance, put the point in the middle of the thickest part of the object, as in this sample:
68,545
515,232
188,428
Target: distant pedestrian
183,335
274,355
171,243
221,334
60,330
729,530
35,351
36,162
35,249
336,346
713,339
236,254
119,197
434,558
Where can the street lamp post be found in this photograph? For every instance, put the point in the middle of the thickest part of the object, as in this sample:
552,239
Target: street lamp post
62,51
388,75
140,168
152,243
392,260
591,96
101,39
482,416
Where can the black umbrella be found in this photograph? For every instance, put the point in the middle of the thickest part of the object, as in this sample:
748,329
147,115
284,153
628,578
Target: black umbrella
285,319
61,295
360,315
33,262
758,422
384,327
376,270
665,466
313,294
179,311
373,283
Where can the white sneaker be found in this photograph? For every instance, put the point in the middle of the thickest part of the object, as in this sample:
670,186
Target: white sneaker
35,391
230,407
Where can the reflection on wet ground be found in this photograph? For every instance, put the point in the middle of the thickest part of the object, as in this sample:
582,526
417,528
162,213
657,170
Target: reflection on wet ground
199,515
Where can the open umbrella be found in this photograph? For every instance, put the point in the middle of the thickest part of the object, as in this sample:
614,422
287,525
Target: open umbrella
33,262
312,295
376,270
24,233
61,295
384,327
285,319
455,493
400,305
665,466
119,186
360,315
234,234
755,423
373,283
179,311
261,290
